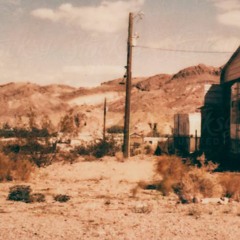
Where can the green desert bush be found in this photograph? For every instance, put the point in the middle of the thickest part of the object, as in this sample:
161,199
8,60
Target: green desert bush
20,193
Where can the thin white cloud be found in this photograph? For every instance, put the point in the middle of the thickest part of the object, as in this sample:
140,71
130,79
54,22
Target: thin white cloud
107,17
228,12
231,18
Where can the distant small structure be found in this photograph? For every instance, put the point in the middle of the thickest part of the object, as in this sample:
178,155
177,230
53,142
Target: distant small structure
153,141
136,138
187,132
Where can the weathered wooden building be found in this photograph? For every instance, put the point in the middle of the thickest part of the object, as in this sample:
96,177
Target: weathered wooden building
220,117
230,82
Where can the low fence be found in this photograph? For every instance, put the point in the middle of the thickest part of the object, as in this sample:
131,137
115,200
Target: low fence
169,144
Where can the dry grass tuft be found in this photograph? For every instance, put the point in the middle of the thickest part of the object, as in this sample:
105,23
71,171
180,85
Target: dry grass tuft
142,208
231,185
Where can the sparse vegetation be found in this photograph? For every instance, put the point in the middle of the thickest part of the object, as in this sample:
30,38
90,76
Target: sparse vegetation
142,208
115,129
14,169
230,183
70,124
37,197
172,171
61,198
187,181
100,149
31,143
20,193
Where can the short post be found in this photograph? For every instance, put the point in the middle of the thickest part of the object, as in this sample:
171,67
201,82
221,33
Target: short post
196,141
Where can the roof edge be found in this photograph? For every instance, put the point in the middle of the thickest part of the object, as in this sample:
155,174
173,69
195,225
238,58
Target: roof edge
228,63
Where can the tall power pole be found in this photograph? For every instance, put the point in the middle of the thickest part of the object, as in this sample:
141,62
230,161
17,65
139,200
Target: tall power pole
126,143
104,119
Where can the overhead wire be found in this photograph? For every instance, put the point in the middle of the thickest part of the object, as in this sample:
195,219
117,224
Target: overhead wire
183,50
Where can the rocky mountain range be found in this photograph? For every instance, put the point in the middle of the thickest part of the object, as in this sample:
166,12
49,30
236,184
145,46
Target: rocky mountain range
155,99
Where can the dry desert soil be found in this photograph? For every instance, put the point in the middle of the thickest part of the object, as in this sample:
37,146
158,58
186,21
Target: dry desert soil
106,204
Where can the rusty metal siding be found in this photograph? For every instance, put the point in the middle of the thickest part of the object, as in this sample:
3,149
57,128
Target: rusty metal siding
232,71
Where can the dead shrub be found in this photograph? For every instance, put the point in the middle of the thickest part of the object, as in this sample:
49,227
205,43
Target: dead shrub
198,183
22,170
188,182
37,197
230,183
61,198
6,167
20,193
16,169
172,170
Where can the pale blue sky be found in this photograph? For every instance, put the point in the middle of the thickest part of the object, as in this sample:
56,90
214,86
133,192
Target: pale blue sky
83,42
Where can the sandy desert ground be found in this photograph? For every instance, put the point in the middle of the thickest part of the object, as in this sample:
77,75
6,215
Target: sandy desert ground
103,206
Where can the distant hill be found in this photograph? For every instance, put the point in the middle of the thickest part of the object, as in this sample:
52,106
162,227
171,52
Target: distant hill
155,99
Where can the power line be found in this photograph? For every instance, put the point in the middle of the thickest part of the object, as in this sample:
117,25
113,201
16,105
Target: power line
182,50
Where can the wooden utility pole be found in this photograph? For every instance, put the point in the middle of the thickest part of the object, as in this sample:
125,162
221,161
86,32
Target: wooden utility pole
104,119
126,143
